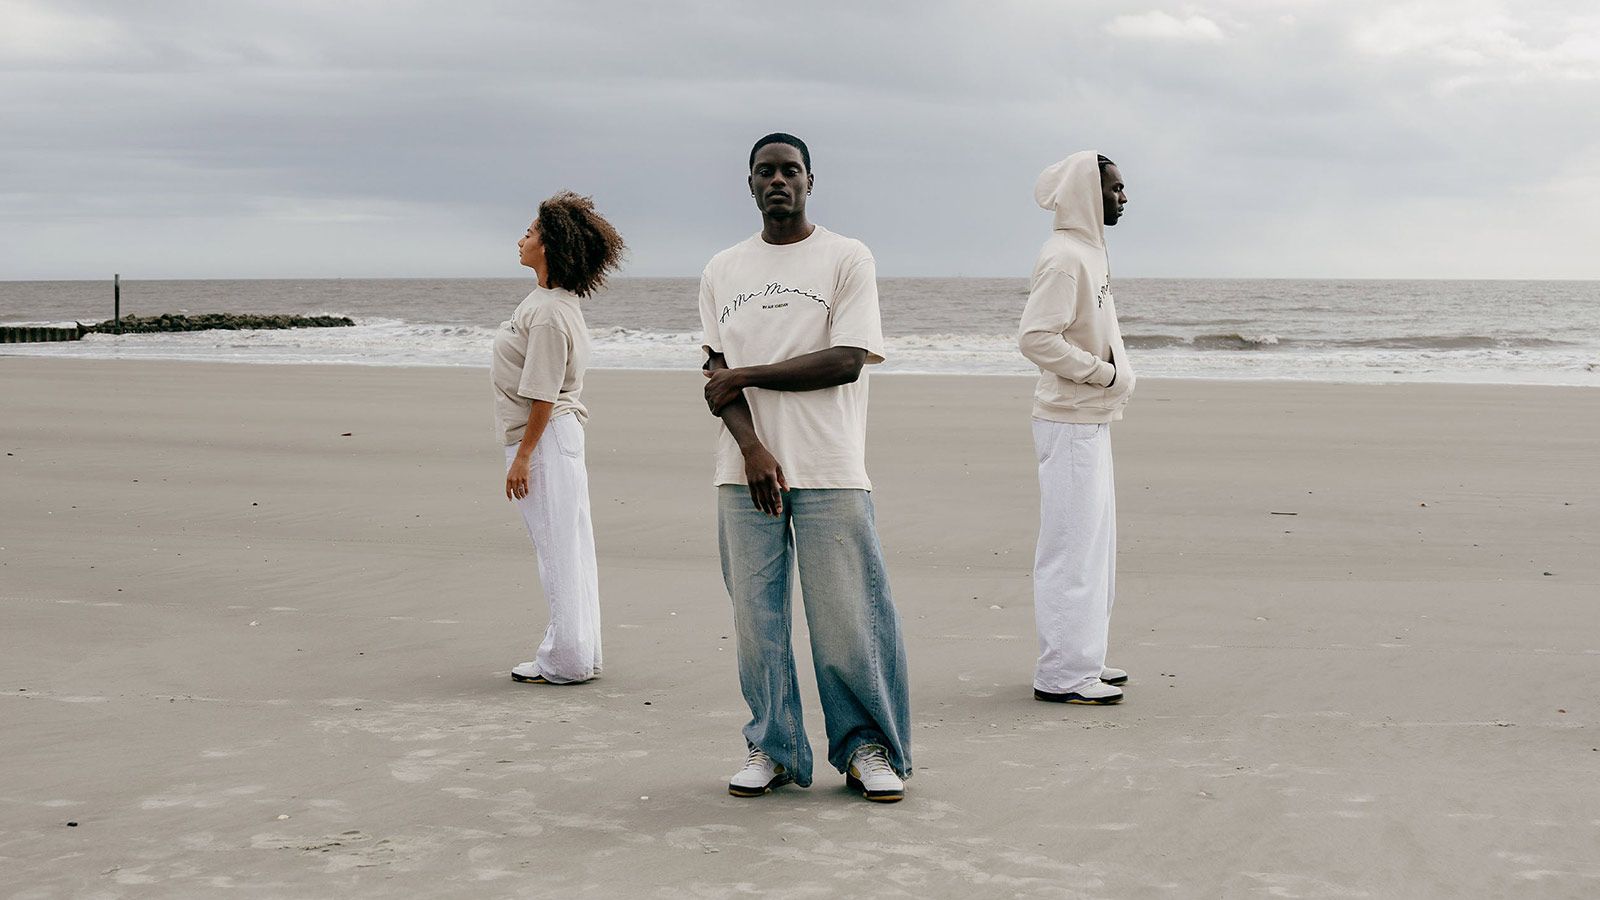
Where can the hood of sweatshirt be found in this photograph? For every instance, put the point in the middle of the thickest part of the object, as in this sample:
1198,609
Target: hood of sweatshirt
1071,188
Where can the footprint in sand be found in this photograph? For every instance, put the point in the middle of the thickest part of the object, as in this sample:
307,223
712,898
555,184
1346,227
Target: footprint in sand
421,766
701,837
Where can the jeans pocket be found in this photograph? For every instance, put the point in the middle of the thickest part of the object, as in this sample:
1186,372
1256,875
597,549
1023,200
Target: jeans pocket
569,436
1045,435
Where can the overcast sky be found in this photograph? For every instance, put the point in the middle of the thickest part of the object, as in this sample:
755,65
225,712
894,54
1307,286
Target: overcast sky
1358,138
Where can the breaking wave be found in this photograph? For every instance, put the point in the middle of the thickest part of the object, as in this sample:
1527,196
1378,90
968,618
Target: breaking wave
1220,354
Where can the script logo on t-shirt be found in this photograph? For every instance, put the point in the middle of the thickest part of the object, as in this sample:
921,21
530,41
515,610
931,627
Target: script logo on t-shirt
773,289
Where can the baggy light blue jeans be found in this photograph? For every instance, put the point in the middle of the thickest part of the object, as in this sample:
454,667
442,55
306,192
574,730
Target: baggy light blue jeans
856,647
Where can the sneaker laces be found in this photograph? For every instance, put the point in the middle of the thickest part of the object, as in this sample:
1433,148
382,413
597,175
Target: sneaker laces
872,760
757,758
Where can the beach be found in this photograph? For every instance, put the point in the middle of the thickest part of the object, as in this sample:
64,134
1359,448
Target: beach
259,621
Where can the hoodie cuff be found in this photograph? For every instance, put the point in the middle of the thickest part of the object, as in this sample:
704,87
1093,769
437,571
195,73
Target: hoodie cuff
1103,374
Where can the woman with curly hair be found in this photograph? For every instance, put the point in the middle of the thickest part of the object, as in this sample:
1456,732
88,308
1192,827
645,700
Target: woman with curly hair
539,358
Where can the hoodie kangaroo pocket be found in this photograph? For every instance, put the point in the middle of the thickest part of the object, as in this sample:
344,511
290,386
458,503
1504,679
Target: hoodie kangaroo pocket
1125,391
1059,392
1116,396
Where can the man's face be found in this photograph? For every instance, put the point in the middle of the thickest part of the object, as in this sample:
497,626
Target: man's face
779,181
1116,196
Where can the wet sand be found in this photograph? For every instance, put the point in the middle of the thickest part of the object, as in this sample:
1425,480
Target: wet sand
249,654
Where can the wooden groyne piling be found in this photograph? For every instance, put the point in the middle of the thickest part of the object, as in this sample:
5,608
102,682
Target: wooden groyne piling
27,334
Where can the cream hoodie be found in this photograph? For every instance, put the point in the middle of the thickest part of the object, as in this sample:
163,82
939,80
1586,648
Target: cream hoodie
1069,327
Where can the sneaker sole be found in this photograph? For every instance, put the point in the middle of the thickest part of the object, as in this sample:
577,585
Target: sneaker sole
1077,699
739,790
1116,682
540,679
854,783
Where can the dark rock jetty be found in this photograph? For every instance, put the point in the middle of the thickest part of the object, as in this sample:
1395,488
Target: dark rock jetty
17,334
214,321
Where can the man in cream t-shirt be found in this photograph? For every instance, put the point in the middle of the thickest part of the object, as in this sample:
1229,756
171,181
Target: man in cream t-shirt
791,318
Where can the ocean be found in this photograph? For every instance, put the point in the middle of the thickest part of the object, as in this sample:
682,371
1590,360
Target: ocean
1537,332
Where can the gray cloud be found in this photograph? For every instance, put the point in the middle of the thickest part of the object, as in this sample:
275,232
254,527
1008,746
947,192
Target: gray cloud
1273,139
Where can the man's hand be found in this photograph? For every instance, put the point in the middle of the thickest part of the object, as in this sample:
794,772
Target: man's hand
517,478
765,478
723,386
725,397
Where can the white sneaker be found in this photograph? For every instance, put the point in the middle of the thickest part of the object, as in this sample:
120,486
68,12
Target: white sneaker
1096,694
871,774
1113,676
528,673
759,775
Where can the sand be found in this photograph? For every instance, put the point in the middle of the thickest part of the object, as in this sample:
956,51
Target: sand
250,654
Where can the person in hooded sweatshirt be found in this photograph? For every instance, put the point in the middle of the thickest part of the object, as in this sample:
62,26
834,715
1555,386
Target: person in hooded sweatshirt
1069,330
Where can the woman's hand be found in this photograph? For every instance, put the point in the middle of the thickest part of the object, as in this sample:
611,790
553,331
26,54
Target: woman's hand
517,478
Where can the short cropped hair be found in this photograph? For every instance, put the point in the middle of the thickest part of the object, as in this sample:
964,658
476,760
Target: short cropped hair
779,137
580,246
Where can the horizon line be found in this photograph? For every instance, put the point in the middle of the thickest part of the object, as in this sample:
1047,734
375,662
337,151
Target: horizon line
881,276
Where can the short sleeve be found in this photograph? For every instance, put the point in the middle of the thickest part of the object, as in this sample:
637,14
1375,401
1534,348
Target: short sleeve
708,313
544,370
854,320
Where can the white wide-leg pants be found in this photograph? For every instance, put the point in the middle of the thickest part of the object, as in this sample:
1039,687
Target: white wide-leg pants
556,512
1075,565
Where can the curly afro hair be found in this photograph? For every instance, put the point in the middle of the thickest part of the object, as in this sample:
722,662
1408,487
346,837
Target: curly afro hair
580,246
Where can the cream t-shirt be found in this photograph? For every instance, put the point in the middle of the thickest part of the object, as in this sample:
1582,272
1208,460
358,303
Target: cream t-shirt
763,303
540,354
